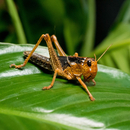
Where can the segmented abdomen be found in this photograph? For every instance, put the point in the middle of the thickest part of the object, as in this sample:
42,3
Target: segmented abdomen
39,60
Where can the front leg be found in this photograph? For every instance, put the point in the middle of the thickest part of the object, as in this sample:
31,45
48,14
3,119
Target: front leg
85,87
94,82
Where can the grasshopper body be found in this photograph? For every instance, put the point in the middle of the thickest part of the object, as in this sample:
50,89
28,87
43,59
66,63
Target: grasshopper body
69,67
76,66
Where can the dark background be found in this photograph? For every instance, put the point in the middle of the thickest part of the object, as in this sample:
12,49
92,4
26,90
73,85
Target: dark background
106,14
75,25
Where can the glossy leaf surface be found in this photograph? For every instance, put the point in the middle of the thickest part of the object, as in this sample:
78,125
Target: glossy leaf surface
23,104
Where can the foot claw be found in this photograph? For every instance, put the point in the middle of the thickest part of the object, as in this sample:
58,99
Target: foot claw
12,65
16,66
46,88
92,98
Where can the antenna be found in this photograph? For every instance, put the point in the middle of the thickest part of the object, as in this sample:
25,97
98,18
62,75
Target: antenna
104,53
95,57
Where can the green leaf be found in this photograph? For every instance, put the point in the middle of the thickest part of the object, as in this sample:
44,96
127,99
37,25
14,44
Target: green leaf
118,55
16,21
23,104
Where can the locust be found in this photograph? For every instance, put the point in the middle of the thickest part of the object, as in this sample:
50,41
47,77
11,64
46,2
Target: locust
69,67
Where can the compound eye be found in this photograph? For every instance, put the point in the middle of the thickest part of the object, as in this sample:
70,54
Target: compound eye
89,63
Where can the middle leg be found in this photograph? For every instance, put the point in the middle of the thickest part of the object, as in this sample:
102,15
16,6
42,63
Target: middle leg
94,82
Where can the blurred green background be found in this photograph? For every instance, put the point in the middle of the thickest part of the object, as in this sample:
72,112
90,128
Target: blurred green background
83,26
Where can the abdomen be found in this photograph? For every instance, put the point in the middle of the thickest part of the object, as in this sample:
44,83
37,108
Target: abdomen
39,60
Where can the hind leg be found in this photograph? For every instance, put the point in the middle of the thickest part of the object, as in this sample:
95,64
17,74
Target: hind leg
58,47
